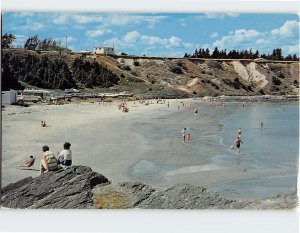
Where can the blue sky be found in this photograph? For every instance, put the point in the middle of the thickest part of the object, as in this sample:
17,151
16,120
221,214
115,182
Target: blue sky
159,34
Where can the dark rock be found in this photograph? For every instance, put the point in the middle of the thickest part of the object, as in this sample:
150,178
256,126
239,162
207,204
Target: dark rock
16,185
69,188
81,188
185,196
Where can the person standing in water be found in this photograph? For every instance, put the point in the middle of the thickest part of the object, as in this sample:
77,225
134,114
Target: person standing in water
189,138
239,132
261,124
183,132
238,142
195,111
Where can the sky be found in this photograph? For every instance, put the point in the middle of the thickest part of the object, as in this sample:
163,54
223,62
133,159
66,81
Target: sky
167,35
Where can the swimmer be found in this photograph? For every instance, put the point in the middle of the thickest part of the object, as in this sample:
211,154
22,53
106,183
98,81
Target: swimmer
261,124
189,138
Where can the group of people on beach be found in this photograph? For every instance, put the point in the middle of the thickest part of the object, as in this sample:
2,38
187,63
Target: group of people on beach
49,161
123,106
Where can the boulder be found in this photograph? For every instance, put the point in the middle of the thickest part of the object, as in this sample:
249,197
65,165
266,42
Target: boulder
70,188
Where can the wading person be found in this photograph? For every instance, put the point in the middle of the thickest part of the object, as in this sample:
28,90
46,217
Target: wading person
183,133
189,138
238,142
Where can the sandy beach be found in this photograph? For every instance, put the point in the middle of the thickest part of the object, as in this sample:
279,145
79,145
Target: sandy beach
142,145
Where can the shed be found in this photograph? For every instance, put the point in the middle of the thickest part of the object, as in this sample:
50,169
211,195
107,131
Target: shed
9,97
104,50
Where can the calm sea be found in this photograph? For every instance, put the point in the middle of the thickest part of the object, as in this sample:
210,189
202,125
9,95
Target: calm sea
271,150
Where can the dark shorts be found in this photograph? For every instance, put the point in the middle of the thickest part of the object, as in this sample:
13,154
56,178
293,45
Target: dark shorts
67,162
238,146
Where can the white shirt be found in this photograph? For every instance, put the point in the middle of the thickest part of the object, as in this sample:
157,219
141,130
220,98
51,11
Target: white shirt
67,154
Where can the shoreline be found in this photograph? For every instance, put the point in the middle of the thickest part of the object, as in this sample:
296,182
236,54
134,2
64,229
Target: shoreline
107,142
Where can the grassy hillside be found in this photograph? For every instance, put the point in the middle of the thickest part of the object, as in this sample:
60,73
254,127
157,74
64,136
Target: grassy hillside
170,78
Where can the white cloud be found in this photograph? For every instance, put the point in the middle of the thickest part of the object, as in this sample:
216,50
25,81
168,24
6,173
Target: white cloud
22,14
188,45
216,16
182,22
96,33
61,19
152,40
214,35
291,49
82,19
29,26
240,36
131,37
19,41
65,18
285,37
136,41
174,41
289,29
124,19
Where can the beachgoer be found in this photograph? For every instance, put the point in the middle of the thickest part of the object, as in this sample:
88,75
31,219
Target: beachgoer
238,142
183,132
239,132
178,107
168,104
243,104
65,156
28,162
189,138
48,162
261,124
195,111
43,123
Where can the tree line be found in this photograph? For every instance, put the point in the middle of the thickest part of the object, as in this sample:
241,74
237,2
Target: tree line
33,43
43,72
243,54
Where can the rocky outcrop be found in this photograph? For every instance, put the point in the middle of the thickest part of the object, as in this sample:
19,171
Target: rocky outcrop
69,189
81,188
121,196
184,196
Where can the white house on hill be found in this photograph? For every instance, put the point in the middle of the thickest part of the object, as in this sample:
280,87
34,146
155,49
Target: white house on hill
104,50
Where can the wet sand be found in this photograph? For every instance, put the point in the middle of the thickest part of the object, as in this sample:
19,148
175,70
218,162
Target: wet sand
143,145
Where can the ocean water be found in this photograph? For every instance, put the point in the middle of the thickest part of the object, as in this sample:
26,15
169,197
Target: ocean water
273,148
272,151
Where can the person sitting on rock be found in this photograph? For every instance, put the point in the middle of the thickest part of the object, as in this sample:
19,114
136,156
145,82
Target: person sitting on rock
65,156
48,162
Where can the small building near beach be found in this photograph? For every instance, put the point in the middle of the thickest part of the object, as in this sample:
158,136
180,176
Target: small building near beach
9,97
104,50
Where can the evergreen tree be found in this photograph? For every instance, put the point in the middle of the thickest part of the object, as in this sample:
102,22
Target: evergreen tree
7,40
216,53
